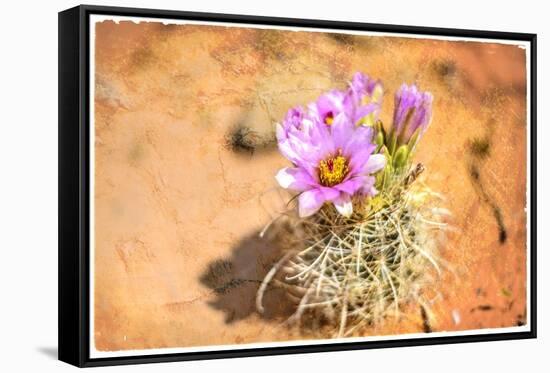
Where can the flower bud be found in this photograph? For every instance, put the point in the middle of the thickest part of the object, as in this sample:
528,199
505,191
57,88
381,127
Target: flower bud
365,97
412,115
401,156
379,138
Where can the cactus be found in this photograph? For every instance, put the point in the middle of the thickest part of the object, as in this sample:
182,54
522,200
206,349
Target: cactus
352,272
364,243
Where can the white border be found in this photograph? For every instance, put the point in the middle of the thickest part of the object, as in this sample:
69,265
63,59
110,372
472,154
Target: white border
94,353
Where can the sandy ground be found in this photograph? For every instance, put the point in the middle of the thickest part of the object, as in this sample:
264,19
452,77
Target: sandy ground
185,164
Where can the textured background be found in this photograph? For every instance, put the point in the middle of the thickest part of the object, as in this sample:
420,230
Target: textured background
179,201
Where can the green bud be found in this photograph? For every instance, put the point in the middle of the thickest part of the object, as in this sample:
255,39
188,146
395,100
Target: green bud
379,179
379,139
381,176
391,142
384,151
401,156
379,126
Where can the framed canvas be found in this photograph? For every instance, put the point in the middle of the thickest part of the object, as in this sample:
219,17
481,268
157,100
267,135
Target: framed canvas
234,186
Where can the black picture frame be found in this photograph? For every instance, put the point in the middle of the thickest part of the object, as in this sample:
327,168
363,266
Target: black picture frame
74,191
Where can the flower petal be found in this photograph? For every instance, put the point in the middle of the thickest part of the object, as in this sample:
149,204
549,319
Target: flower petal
368,187
332,101
329,193
342,131
359,159
280,133
352,185
309,202
287,150
375,163
361,140
294,178
344,205
365,110
372,191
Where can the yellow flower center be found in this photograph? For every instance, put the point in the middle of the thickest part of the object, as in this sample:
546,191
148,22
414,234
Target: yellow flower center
329,119
333,170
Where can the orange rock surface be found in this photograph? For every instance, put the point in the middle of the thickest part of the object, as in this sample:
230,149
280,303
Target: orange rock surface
185,165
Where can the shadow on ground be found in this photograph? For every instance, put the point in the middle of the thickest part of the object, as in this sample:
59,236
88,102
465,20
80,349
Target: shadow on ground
235,280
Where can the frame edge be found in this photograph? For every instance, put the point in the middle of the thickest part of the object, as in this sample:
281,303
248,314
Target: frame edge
73,192
70,348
